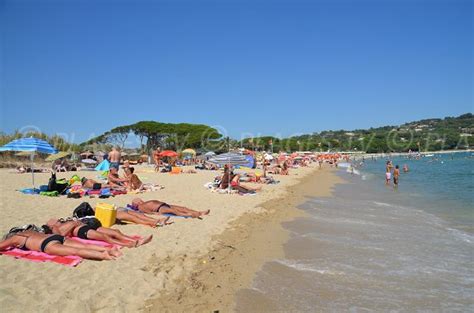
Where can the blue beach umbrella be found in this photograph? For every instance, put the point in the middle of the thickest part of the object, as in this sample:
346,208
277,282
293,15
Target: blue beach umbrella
33,145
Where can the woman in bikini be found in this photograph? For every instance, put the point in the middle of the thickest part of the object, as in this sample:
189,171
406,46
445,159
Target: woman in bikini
57,245
76,228
159,207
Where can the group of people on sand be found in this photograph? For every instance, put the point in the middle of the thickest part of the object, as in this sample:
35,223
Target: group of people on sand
55,237
59,236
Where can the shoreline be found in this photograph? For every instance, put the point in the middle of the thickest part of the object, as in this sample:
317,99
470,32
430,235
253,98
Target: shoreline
164,266
241,250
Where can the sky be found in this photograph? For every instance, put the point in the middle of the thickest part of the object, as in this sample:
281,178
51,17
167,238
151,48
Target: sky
80,68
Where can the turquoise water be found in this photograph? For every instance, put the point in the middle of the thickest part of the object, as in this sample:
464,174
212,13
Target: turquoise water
442,184
376,248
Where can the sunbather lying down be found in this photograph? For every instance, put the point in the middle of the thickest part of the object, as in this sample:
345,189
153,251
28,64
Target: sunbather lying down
155,206
128,215
93,231
92,184
57,245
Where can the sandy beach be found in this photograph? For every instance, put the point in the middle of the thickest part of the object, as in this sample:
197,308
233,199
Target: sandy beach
178,268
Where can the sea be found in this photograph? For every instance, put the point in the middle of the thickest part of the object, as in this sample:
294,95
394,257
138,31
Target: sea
378,248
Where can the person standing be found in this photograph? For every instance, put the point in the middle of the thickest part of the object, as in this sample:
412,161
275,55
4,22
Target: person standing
115,157
396,175
156,158
388,173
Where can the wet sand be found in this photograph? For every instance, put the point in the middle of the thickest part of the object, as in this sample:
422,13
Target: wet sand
239,252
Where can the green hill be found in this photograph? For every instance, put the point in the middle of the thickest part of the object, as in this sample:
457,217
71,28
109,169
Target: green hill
424,135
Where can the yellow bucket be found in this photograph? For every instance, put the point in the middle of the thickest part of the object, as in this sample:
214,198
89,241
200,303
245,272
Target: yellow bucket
106,214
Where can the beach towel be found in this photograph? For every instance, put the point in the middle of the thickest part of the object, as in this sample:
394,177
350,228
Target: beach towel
49,193
29,191
172,215
35,256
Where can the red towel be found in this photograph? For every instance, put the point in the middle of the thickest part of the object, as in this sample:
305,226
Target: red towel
42,257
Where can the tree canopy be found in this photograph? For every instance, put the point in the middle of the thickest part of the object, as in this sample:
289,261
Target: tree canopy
166,135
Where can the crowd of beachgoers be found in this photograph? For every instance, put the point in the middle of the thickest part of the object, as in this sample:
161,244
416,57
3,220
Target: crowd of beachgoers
83,234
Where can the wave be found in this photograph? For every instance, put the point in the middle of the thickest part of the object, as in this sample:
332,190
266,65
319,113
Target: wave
307,268
461,235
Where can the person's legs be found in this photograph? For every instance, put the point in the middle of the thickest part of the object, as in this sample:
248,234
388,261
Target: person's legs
95,235
79,245
181,211
142,219
251,188
161,220
117,234
114,233
57,248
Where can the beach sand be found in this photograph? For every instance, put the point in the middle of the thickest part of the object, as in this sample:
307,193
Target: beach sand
191,265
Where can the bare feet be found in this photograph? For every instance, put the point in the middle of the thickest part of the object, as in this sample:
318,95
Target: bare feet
201,213
115,252
162,221
107,256
144,241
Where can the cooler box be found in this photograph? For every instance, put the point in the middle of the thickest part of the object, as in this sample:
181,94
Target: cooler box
106,214
175,170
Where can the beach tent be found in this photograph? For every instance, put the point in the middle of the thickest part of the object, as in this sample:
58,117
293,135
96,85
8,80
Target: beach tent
229,158
33,145
103,166
210,154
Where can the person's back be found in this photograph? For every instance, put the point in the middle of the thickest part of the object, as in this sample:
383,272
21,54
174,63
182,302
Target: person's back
396,175
114,157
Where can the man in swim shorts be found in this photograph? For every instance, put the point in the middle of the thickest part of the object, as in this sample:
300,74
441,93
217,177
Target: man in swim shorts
57,245
114,158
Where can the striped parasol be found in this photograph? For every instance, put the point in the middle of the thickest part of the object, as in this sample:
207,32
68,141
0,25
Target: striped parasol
229,158
33,145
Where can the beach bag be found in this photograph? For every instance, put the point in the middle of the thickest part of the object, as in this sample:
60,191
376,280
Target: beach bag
20,229
57,185
84,209
91,221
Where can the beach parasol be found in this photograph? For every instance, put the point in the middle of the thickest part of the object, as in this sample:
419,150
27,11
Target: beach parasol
189,151
33,145
57,156
168,153
89,161
229,158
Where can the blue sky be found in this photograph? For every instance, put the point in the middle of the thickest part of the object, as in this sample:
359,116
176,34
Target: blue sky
255,67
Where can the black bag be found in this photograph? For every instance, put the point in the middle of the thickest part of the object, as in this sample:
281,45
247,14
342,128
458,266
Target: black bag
84,209
53,185
92,222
